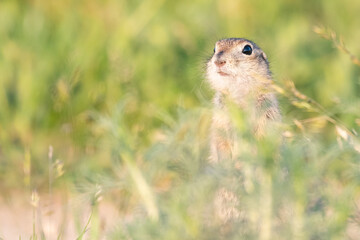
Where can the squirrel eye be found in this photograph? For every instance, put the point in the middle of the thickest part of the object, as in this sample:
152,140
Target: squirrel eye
214,50
247,50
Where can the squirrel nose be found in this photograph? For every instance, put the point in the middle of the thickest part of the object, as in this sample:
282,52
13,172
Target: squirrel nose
219,63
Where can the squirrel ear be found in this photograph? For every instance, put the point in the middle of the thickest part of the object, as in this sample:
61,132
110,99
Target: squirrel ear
263,55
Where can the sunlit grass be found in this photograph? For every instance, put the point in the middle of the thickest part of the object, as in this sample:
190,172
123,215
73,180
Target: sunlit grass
105,102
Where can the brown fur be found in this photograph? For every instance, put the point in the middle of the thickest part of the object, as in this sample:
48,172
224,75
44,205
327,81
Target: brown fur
246,81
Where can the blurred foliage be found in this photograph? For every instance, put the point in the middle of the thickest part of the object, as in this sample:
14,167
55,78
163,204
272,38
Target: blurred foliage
117,88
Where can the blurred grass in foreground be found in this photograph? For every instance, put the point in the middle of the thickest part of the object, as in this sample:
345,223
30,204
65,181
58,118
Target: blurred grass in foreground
116,89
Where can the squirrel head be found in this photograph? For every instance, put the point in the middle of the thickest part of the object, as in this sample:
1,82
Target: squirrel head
237,67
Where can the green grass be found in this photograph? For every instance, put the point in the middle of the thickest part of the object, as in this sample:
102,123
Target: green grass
117,89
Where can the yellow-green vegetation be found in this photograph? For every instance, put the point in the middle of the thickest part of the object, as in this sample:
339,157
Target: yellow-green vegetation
108,100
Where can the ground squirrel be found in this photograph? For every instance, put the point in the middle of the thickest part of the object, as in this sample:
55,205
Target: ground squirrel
239,71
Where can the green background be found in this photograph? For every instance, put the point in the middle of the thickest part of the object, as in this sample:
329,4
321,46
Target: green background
95,79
